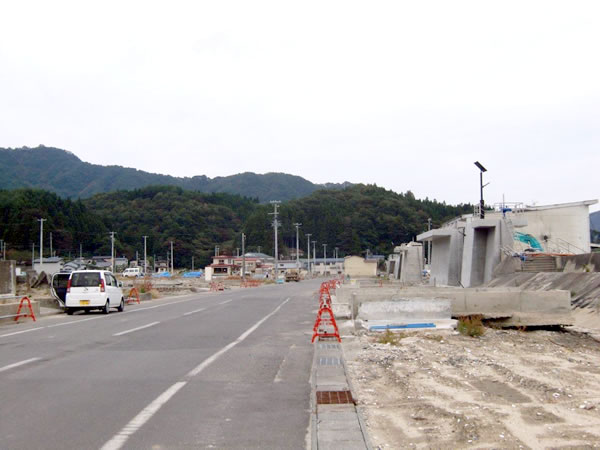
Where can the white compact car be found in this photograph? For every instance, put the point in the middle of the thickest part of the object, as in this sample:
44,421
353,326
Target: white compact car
93,289
133,272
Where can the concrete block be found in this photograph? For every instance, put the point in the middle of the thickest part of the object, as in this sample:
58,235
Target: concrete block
8,278
406,309
11,308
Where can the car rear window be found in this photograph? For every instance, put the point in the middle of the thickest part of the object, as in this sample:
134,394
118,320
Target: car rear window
82,279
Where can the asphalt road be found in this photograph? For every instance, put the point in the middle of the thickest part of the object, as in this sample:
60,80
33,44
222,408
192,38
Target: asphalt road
219,370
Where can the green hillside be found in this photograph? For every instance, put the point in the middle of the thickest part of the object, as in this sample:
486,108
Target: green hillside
64,173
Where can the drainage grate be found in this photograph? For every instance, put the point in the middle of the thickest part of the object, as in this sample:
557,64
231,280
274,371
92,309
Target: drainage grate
329,361
334,397
329,346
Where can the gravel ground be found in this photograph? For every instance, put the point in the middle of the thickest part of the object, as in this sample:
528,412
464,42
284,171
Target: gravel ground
506,389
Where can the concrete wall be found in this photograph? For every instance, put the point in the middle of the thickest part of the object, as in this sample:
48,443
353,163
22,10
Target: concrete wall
446,255
513,305
8,279
569,223
355,266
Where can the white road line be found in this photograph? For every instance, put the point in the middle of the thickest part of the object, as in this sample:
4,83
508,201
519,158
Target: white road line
20,332
208,361
226,301
138,421
119,439
194,311
136,329
77,321
17,364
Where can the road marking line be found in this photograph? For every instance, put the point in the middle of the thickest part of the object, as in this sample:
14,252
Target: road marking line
278,378
17,364
19,332
76,321
226,301
194,311
208,361
119,439
136,329
138,421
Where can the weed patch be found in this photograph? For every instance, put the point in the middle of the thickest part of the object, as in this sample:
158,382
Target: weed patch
470,326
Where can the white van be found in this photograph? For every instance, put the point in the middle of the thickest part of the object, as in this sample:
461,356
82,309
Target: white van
133,272
93,289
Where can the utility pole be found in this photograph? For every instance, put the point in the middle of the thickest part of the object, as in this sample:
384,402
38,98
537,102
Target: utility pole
259,249
216,250
32,254
145,259
243,256
172,263
237,252
41,221
314,243
81,251
112,251
275,213
51,245
4,251
192,263
297,225
1,246
325,253
336,253
308,235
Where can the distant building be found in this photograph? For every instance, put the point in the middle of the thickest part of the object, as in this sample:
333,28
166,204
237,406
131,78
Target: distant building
50,265
357,267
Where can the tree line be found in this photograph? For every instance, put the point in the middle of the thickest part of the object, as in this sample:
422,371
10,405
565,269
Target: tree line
356,219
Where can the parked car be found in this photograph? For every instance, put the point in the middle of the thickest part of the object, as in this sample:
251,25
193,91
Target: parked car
133,272
93,289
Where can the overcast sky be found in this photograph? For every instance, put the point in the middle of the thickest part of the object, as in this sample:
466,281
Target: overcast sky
404,94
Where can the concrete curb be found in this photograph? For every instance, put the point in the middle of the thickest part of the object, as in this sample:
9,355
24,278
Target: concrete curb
341,425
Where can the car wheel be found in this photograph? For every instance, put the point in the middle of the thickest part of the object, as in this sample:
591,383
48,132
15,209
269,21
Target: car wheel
121,306
70,311
106,308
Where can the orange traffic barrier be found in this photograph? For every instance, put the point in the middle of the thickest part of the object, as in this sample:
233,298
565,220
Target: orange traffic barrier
325,316
325,319
31,314
250,283
133,296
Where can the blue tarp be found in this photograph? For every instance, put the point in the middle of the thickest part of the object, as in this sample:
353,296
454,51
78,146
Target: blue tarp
161,275
197,274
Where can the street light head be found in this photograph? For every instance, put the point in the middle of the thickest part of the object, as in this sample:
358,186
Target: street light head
479,166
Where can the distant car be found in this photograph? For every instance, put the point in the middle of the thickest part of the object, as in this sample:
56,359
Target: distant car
93,289
133,272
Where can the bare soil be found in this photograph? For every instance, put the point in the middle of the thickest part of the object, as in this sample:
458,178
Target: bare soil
506,389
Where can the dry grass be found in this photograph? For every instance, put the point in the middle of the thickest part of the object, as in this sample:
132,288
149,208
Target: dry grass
470,326
389,337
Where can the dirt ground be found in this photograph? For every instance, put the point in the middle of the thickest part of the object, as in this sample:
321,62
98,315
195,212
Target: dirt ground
506,389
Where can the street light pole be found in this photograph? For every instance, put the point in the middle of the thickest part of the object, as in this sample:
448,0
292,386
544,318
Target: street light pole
145,257
481,186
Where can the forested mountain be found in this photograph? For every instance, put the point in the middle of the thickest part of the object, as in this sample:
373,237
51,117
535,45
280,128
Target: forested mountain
62,172
356,219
